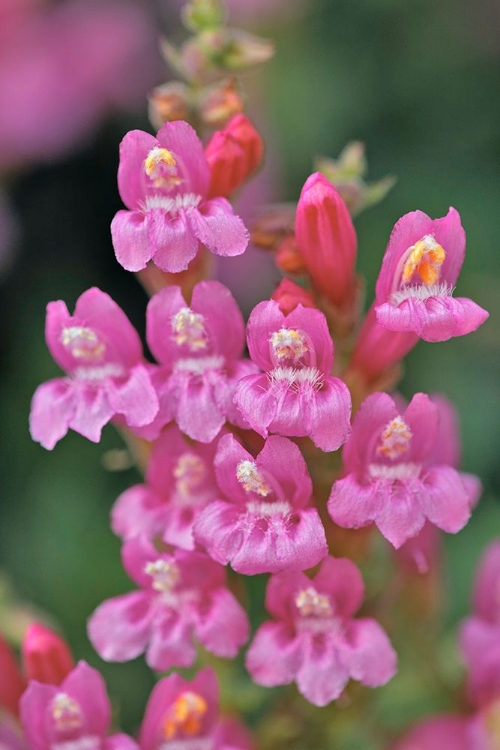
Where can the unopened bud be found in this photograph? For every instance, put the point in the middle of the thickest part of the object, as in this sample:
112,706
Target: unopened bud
289,259
167,103
46,656
200,15
12,683
288,295
233,154
326,238
237,51
220,102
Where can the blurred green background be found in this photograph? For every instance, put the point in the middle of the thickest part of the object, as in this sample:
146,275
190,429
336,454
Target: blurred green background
419,83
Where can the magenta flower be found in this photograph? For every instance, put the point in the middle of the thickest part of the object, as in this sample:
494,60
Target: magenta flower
266,523
181,595
182,715
199,348
180,481
102,355
419,272
76,714
164,183
391,475
296,395
450,732
10,735
313,638
480,633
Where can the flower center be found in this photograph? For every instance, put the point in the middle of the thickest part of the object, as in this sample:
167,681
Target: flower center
311,604
82,342
188,329
66,713
251,479
288,345
189,472
160,167
165,575
185,716
424,259
395,439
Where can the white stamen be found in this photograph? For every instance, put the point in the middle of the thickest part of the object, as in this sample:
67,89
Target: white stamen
66,712
95,374
171,205
251,479
421,292
190,743
199,365
311,604
269,509
296,378
82,342
188,328
91,742
165,575
393,473
288,343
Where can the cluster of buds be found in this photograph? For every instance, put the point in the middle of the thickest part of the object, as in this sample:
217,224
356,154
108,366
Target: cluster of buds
208,93
243,464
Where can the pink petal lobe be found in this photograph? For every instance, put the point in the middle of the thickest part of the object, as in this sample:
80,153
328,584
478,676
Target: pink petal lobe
172,239
88,688
224,627
323,673
129,234
330,415
314,323
32,707
400,516
134,149
341,579
256,403
283,459
52,409
223,319
161,308
217,530
352,505
92,412
138,510
446,501
120,627
120,742
487,584
218,228
180,138
170,644
264,320
372,660
198,414
274,655
135,397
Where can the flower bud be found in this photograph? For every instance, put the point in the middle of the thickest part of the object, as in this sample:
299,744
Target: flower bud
12,683
220,102
273,225
288,295
326,238
233,154
167,103
46,656
200,15
236,51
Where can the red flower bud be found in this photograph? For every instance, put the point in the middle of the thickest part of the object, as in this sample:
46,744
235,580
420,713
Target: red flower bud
233,154
288,295
12,683
46,656
326,238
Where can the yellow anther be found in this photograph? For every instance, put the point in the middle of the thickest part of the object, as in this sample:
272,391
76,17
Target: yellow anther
426,258
155,159
311,604
250,478
395,438
82,342
188,328
288,343
185,716
165,575
66,713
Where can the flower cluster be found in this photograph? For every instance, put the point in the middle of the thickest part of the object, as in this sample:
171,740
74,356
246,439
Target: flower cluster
243,464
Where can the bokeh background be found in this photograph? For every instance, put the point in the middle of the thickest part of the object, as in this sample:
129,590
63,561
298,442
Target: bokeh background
417,81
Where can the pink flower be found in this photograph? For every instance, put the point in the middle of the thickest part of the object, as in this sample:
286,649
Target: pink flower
437,733
102,354
314,639
10,735
296,395
391,476
326,238
182,595
199,348
480,633
182,715
12,682
267,523
419,272
180,482
164,183
77,713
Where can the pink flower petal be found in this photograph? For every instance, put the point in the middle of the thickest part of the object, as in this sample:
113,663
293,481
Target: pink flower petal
224,626
341,579
134,149
180,138
256,403
129,234
135,397
198,414
445,500
323,673
223,319
138,510
329,414
119,628
400,516
170,644
52,409
92,412
218,228
372,660
88,688
172,239
274,655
